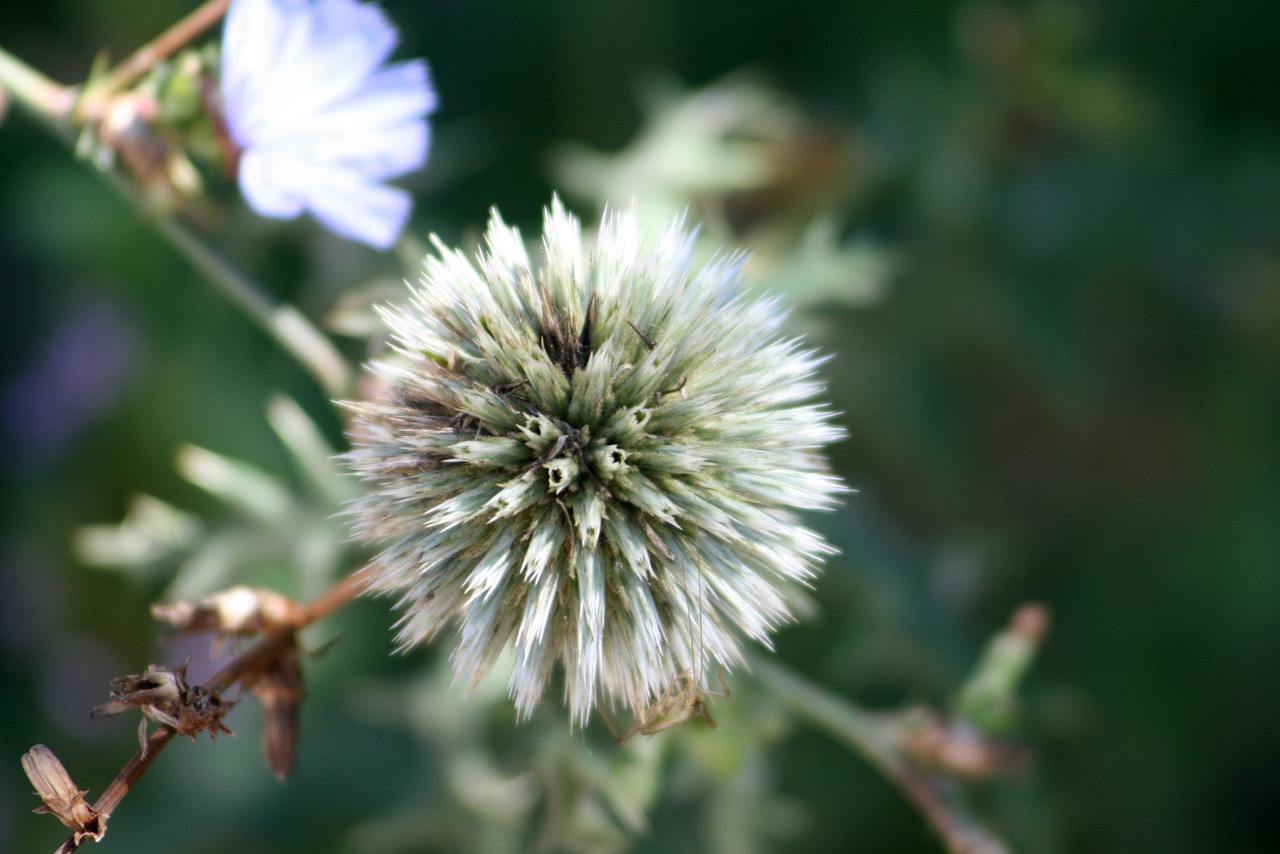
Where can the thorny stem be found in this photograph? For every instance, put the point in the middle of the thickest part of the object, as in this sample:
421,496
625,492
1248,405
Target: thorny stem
876,737
252,659
145,58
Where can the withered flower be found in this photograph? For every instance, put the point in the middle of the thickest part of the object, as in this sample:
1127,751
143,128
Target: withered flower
60,795
937,745
165,697
278,686
239,612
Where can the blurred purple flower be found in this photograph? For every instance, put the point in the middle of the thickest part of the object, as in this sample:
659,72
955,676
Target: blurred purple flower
75,377
321,122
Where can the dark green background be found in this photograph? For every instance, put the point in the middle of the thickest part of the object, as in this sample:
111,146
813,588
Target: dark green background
1071,393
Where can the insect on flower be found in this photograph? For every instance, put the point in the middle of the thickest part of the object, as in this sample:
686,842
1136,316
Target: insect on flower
164,696
684,700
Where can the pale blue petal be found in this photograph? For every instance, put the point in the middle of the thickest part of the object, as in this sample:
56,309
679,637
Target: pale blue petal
357,35
370,212
394,95
274,186
326,57
380,152
320,121
251,37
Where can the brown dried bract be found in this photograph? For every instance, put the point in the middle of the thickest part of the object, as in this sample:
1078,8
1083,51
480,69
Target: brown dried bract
165,697
953,747
278,686
60,795
240,610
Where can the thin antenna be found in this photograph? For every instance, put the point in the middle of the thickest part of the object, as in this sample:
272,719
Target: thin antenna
696,638
702,629
685,697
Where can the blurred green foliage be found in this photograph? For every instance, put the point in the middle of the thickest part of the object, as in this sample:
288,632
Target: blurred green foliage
1069,391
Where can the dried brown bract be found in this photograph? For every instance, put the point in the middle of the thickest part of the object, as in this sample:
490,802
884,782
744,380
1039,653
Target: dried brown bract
276,682
953,747
278,686
165,697
60,795
238,611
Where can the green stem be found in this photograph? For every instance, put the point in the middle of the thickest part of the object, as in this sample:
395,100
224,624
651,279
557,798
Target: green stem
51,104
284,323
869,734
876,737
32,90
146,57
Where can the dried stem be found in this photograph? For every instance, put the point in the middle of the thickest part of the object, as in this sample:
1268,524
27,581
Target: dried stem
249,662
277,639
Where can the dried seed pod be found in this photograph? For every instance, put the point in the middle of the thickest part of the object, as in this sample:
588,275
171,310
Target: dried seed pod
165,697
60,795
953,747
278,686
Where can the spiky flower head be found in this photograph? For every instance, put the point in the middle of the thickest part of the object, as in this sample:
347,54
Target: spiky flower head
595,461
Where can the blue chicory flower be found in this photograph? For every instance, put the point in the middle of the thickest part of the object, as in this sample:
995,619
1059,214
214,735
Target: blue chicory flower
321,122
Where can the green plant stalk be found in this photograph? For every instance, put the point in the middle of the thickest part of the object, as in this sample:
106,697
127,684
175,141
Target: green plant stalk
869,734
145,58
876,737
283,322
51,104
36,93
988,700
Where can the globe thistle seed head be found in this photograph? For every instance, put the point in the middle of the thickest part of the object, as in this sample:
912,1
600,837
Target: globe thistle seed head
596,460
